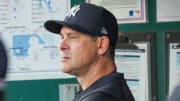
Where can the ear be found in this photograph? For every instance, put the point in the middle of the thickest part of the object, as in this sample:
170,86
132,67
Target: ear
102,45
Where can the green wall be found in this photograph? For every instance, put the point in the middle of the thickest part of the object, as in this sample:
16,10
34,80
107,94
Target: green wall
159,29
47,90
35,90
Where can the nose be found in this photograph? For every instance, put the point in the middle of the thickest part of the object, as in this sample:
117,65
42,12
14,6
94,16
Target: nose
64,45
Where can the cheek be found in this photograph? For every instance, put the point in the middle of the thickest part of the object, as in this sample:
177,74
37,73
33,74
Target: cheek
84,52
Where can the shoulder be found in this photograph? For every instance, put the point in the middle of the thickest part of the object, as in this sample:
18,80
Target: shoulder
100,96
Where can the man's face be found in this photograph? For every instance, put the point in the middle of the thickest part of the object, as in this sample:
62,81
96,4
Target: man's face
78,52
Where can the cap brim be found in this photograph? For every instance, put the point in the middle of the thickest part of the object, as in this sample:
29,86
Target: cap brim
55,26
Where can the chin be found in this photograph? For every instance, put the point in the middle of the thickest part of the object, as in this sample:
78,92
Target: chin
68,71
65,70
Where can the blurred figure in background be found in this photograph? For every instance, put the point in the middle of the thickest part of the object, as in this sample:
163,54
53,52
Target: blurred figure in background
174,96
3,69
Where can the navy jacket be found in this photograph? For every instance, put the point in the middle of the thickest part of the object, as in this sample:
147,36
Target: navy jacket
112,87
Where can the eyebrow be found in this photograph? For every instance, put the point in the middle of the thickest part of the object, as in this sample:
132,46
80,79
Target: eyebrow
68,34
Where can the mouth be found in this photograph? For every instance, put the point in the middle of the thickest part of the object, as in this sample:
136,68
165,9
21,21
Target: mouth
64,59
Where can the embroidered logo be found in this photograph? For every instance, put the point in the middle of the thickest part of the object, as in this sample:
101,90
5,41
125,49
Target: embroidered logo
104,31
73,11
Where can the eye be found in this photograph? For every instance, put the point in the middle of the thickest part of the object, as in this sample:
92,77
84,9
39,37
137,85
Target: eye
61,36
73,36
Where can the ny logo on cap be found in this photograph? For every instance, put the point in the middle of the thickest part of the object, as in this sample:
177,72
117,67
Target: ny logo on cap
73,11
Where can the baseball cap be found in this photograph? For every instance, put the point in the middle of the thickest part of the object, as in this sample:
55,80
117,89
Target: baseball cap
89,19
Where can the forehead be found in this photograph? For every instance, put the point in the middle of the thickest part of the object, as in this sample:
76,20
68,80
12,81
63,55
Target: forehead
66,30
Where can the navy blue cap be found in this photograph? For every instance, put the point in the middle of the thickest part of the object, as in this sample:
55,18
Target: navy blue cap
89,19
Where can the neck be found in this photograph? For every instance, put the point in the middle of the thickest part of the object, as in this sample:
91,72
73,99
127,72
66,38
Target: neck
102,68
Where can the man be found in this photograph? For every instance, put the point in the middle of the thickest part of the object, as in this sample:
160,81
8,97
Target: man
89,35
3,69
